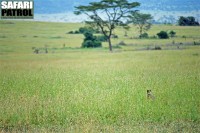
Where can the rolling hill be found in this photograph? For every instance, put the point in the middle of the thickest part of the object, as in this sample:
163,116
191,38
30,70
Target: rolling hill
163,10
51,6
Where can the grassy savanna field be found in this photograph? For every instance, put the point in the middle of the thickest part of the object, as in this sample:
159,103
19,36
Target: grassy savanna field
92,90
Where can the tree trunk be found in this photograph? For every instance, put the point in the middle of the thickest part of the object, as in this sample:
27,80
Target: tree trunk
110,45
140,31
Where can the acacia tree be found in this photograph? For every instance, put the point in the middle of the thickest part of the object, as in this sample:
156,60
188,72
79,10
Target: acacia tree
107,14
142,21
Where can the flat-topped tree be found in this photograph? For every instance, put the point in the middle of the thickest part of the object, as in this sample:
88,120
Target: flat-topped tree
107,14
142,21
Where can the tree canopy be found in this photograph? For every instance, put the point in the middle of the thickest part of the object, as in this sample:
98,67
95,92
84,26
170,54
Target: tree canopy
143,21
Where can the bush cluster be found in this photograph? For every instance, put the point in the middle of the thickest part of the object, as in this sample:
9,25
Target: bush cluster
82,30
101,38
172,33
158,48
91,41
122,43
163,35
144,35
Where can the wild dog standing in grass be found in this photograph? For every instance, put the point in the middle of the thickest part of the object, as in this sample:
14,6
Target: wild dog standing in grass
150,95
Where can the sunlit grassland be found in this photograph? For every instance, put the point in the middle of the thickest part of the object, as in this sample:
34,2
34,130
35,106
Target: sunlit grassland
79,90
20,37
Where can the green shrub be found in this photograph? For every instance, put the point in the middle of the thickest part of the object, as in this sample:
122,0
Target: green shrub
122,43
90,41
158,48
184,37
196,43
97,44
76,32
172,33
87,44
36,51
162,35
144,35
101,38
89,36
70,32
91,44
82,30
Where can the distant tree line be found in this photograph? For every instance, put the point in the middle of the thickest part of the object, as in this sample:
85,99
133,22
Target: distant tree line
187,21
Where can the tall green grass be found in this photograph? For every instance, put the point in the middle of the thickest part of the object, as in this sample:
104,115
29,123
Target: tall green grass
79,90
85,90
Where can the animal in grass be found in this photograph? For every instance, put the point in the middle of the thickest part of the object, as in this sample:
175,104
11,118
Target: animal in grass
150,95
